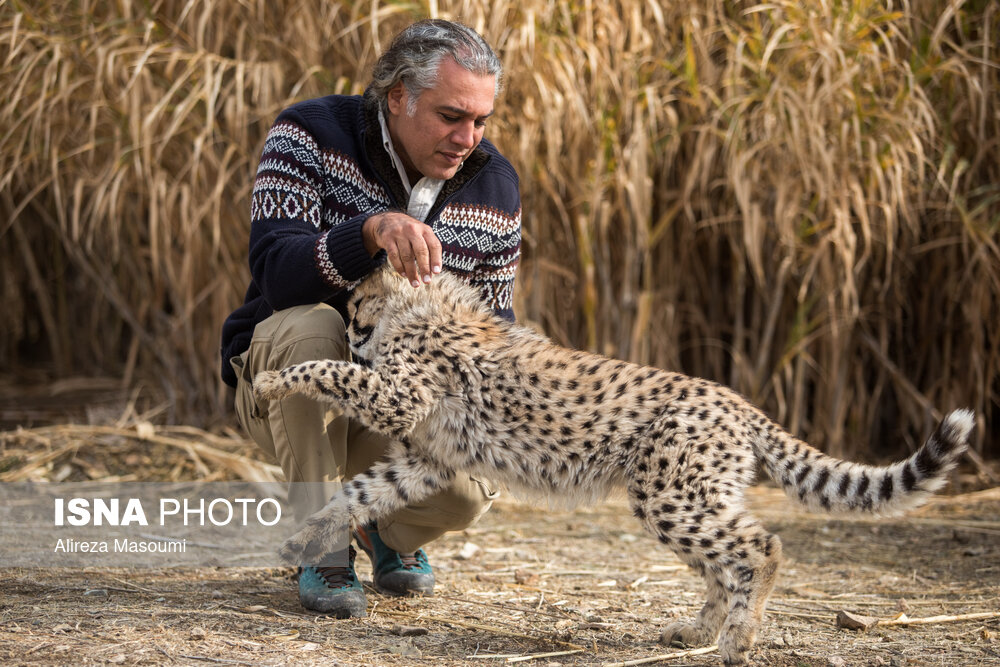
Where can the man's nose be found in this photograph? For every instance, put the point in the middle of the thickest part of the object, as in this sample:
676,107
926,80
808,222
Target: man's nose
465,135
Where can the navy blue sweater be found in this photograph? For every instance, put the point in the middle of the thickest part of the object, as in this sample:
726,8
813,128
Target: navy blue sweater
322,173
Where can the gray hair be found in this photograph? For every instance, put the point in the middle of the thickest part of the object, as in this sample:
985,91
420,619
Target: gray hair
415,54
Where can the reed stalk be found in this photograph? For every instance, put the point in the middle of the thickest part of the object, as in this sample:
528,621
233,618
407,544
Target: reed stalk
799,199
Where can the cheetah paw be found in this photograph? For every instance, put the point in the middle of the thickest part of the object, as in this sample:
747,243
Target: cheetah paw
323,534
315,543
685,635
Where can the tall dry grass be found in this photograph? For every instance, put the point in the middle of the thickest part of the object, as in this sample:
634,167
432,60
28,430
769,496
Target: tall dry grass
801,200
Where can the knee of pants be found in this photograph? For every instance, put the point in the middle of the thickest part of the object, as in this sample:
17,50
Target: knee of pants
455,508
288,336
466,503
303,333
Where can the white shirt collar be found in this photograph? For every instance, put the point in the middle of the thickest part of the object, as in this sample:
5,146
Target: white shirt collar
396,161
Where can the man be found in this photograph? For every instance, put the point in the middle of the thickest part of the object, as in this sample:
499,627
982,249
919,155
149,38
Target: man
401,174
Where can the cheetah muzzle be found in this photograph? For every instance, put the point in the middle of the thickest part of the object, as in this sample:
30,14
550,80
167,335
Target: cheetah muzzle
460,389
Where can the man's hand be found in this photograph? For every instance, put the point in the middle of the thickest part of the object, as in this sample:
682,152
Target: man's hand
412,247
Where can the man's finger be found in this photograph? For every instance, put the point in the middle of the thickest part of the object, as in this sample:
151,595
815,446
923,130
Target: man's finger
407,262
392,254
433,250
422,257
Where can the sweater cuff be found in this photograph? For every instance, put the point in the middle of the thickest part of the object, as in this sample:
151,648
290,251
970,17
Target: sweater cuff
346,250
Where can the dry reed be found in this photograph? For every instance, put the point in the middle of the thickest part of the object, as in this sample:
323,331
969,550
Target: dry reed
801,200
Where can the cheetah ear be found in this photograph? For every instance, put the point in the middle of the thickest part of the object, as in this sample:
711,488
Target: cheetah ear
381,281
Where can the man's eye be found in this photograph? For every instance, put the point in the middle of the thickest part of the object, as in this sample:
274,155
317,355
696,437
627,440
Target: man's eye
450,119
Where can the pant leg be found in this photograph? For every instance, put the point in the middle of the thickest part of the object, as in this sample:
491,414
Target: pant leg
307,437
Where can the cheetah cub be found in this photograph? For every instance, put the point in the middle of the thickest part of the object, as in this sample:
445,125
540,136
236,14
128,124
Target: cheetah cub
461,389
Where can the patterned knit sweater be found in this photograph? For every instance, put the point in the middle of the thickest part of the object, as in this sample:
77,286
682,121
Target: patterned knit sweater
322,173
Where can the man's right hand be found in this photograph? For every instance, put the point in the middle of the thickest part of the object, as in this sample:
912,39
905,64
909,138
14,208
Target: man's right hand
412,247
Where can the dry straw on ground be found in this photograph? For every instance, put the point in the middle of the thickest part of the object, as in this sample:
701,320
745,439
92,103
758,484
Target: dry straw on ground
798,199
524,585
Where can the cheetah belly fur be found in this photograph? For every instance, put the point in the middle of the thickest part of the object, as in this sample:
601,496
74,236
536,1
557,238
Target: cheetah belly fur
460,389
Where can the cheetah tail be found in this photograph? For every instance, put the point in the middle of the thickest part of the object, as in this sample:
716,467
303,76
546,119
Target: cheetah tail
824,483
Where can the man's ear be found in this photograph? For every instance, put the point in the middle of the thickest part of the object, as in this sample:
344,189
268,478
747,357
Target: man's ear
395,99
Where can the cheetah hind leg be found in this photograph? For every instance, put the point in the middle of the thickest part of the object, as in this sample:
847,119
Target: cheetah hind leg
658,513
739,561
752,576
705,628
749,568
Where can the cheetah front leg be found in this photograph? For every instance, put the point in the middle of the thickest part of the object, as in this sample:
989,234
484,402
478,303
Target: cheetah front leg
391,484
388,402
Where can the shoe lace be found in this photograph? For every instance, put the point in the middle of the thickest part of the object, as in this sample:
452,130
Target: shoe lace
338,577
335,577
412,561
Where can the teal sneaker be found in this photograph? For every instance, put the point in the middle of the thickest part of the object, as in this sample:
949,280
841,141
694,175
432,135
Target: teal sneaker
333,590
395,573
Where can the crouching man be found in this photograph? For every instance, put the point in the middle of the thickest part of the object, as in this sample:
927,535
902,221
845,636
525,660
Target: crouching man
401,174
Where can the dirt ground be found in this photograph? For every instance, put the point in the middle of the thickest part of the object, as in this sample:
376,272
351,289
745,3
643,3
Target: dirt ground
550,587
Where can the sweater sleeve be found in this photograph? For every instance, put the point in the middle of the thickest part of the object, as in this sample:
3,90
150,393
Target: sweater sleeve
498,228
295,256
500,271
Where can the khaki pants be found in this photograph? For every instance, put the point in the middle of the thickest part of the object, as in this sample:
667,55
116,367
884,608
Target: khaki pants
314,442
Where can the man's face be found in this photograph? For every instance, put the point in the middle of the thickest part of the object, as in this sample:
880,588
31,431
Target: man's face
447,124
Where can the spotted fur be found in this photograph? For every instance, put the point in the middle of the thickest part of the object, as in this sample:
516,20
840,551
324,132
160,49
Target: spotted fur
464,390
